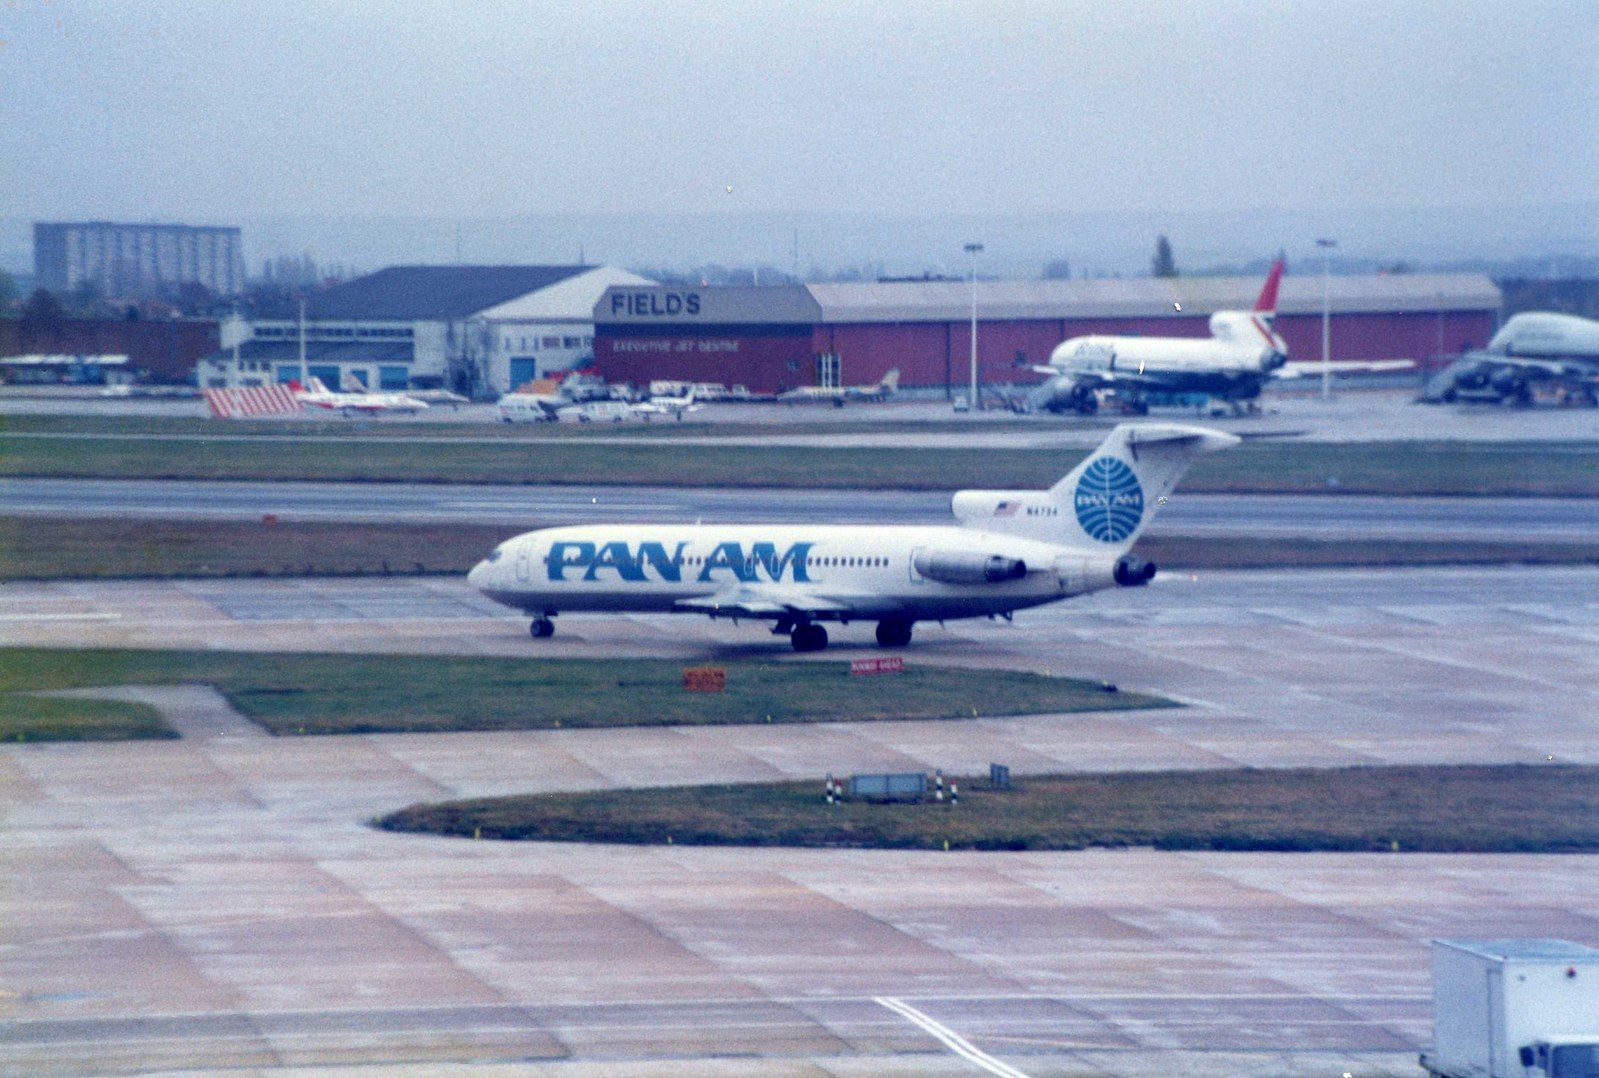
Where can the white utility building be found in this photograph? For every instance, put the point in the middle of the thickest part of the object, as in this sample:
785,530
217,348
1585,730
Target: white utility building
480,330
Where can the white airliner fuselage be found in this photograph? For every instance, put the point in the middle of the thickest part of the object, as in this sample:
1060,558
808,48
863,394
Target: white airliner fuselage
1242,354
1011,550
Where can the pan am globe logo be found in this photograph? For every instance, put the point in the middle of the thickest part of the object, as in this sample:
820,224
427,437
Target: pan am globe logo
1110,503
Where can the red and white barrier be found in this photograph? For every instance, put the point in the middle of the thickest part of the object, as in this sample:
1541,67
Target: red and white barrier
251,401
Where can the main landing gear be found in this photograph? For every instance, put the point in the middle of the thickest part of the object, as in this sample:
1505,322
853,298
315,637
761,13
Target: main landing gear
894,632
542,628
808,636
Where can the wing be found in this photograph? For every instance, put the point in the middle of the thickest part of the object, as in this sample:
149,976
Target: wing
1311,368
745,601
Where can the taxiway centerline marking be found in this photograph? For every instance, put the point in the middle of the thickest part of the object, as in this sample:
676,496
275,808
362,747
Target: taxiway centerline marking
949,1038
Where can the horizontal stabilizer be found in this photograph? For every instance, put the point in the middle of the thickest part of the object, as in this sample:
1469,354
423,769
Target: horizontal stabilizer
1161,434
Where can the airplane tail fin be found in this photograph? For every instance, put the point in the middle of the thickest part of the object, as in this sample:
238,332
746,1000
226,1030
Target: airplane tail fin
890,382
1108,499
1266,304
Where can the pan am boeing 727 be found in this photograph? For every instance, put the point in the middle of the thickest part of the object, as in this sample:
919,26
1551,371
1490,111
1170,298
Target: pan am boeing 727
1011,549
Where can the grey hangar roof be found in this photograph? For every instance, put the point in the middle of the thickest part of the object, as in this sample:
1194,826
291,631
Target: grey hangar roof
433,293
1147,297
950,301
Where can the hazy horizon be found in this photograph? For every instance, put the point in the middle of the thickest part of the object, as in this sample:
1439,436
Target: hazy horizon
684,133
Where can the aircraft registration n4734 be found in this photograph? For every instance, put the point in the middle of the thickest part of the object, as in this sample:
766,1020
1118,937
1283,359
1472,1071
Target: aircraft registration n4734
1008,550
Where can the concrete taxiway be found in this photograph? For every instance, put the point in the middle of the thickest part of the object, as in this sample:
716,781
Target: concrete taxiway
220,901
1311,516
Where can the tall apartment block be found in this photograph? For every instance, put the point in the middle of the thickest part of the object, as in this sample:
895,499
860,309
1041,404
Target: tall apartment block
137,260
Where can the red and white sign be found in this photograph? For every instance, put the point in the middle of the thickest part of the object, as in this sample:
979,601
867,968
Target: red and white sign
253,400
893,664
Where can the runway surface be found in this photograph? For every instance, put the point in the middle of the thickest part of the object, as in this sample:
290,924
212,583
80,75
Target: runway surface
219,900
1324,517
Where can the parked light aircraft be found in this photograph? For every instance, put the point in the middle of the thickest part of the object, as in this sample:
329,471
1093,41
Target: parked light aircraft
1011,549
840,395
352,398
663,405
1532,347
246,401
1241,354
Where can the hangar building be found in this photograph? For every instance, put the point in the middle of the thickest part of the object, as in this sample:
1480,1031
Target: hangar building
770,339
474,329
164,351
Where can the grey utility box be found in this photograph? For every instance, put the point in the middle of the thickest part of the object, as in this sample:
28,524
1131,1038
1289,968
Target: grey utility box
893,786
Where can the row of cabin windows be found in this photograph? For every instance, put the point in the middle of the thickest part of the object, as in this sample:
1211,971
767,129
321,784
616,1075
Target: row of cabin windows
751,563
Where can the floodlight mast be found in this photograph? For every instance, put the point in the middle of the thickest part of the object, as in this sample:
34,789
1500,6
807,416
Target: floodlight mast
1326,246
974,249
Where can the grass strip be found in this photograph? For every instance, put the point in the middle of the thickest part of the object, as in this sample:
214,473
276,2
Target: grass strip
61,548
55,718
69,548
360,694
1430,468
1472,809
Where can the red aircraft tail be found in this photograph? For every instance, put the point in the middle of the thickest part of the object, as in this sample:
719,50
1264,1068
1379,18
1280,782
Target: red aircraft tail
1267,303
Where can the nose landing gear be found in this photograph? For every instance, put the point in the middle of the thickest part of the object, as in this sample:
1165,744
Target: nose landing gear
542,628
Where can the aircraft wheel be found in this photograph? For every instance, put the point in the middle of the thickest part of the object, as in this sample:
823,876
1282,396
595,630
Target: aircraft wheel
894,632
1088,405
809,637
542,628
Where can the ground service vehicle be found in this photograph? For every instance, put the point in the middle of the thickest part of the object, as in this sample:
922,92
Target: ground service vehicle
1514,1008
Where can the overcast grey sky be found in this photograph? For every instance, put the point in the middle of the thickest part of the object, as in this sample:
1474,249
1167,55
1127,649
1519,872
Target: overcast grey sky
222,110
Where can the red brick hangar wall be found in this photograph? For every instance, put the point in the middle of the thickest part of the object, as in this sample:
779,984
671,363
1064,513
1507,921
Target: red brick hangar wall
764,359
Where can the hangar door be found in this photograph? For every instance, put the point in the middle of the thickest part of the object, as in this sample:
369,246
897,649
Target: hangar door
523,370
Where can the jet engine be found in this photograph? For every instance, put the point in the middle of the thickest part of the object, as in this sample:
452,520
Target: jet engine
949,567
1133,572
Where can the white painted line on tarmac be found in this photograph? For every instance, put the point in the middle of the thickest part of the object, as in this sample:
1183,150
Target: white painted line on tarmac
949,1038
60,617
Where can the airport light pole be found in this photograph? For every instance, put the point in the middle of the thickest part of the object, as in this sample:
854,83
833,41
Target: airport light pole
1326,246
305,375
974,249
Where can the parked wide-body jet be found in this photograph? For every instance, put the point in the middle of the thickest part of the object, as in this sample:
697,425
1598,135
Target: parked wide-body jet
1242,354
1011,549
1532,347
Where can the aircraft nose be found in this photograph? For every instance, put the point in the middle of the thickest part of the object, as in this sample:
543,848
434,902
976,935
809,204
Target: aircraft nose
479,575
